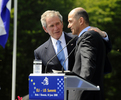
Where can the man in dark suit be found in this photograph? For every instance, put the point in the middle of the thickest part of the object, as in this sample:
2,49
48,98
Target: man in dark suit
52,23
90,55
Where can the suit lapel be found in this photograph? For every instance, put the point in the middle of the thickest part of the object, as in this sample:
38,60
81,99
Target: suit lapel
50,52
69,47
78,41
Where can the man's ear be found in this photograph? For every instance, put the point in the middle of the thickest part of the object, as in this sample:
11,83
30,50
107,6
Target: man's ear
45,29
81,20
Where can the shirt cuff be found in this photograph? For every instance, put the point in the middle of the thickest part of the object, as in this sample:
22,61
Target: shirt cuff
106,38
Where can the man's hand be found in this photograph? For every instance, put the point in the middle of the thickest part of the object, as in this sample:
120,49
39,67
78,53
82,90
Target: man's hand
102,33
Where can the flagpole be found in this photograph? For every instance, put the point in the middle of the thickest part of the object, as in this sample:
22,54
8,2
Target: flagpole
14,51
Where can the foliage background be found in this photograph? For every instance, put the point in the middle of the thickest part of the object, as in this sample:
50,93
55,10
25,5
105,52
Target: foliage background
104,14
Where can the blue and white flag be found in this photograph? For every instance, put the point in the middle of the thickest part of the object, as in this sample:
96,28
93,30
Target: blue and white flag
5,7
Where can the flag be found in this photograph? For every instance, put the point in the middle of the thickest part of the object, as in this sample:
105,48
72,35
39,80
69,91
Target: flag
5,6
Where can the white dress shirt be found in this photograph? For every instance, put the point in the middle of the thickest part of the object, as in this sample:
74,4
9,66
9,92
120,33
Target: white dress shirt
63,44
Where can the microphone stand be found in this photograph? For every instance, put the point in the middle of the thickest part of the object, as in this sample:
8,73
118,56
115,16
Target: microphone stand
67,58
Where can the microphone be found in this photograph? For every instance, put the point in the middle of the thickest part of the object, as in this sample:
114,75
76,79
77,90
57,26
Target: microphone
67,58
58,53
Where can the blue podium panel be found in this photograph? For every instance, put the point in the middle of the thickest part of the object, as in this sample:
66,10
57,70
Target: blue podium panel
46,87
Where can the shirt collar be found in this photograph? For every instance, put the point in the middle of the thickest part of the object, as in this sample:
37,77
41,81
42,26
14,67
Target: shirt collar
84,30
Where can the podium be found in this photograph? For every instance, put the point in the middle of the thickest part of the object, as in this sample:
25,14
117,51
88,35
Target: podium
54,86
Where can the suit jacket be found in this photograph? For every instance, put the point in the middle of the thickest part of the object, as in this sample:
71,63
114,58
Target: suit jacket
46,51
90,57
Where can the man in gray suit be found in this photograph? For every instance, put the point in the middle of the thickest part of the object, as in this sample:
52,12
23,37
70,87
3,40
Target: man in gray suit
90,55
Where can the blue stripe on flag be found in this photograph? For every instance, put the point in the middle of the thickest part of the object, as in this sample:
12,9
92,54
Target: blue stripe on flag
5,16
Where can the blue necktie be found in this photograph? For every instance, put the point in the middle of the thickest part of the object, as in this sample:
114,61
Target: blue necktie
61,55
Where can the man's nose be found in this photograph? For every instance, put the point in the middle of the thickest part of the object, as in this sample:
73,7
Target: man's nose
55,27
68,26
